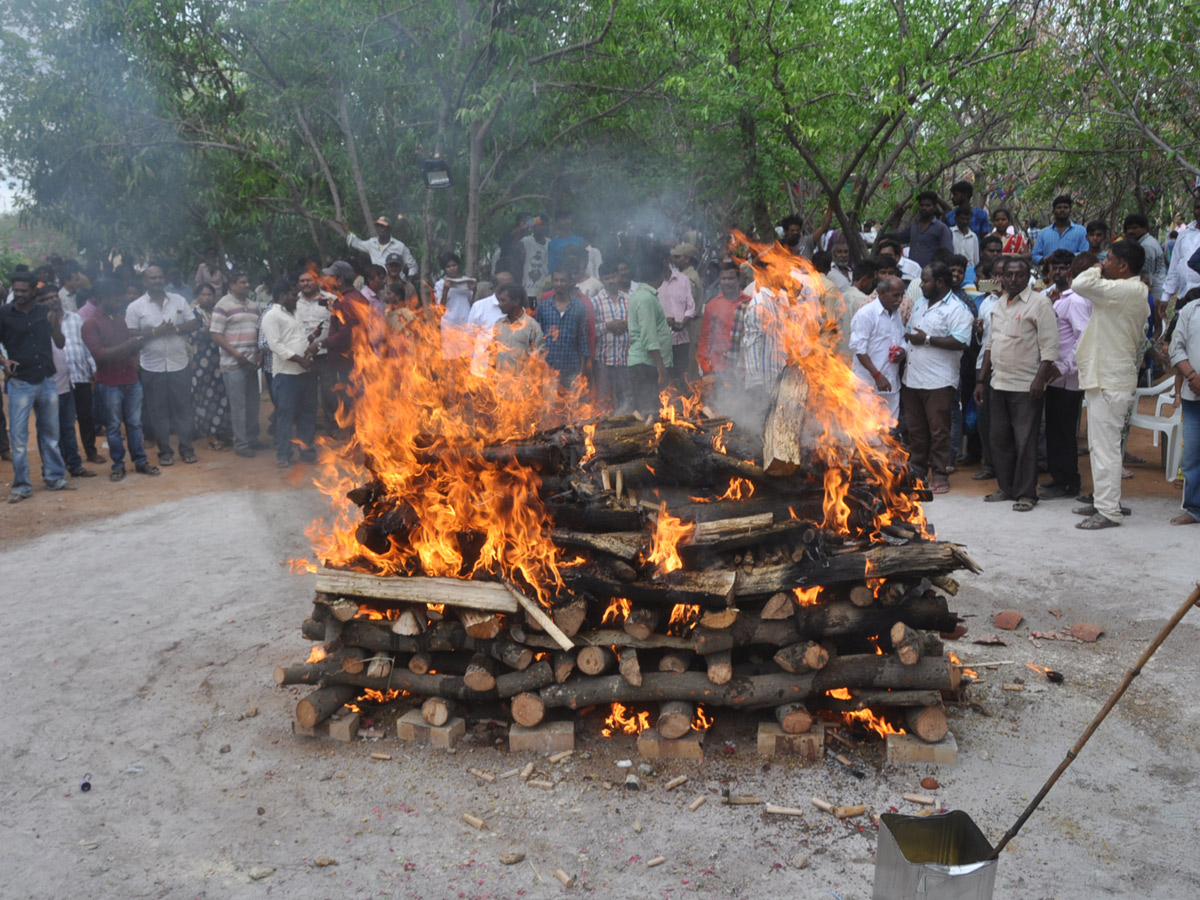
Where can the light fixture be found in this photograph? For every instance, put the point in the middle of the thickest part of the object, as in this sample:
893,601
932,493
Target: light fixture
436,172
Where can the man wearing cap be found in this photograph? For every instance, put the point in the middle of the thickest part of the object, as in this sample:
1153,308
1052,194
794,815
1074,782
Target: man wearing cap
384,246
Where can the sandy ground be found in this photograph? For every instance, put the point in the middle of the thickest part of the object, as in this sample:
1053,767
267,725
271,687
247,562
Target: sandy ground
152,613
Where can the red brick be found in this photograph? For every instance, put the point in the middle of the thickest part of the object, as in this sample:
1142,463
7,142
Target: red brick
1086,632
1008,620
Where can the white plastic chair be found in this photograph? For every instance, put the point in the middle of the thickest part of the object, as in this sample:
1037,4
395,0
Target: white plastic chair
1168,427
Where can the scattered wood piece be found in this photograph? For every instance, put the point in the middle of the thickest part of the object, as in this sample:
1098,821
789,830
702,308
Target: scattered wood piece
656,861
922,799
527,771
774,810
474,821
697,803
383,757
544,785
1011,686
567,880
823,805
555,758
676,782
849,812
483,776
742,800
511,773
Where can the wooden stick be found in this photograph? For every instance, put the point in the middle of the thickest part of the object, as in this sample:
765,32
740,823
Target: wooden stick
919,798
556,758
676,782
474,821
823,805
483,595
698,802
656,861
783,810
849,812
566,879
534,611
483,776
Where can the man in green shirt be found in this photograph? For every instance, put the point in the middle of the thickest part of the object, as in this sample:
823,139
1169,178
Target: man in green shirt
649,334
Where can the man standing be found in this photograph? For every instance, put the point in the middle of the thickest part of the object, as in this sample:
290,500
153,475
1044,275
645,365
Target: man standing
166,371
862,284
1060,233
966,241
961,193
234,329
938,332
679,306
516,335
27,331
612,341
927,233
312,312
563,319
840,272
535,250
1097,238
383,246
1137,228
485,312
1108,355
292,348
563,238
1185,356
348,315
1180,278
115,349
649,336
1063,396
1018,362
72,362
877,342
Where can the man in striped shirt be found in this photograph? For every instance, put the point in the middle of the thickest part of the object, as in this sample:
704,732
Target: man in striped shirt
612,341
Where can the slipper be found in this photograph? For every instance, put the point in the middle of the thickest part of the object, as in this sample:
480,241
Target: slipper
1090,510
1024,505
1096,522
1125,473
116,475
996,497
83,473
1185,519
940,487
17,498
147,469
984,475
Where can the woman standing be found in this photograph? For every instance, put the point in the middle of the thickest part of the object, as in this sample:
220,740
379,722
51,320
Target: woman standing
1004,227
208,388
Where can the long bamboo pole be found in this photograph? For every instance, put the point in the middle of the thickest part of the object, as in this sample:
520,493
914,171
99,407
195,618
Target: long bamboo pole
1192,600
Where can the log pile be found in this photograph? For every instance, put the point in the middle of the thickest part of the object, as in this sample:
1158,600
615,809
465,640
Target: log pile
698,577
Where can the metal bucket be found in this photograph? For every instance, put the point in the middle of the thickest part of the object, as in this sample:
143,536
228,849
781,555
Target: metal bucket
933,858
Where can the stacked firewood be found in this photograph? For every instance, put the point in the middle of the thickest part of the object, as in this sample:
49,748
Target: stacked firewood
695,576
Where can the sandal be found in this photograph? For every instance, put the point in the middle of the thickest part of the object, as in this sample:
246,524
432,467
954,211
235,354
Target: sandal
940,487
147,469
1096,522
1025,505
116,475
1184,519
217,444
996,497
984,474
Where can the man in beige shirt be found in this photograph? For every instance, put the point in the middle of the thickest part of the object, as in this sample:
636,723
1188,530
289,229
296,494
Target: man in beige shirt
1018,362
1108,355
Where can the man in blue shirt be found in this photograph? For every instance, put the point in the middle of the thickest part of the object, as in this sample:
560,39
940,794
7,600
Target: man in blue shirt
563,318
563,238
1061,233
960,195
927,233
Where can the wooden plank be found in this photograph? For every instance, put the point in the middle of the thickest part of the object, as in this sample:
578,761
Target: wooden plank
538,614
387,590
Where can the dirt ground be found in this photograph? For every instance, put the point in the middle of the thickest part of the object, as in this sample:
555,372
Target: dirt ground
152,613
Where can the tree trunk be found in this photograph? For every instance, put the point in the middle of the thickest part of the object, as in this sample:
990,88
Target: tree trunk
323,703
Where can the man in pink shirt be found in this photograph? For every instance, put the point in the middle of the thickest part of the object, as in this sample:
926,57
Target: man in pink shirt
679,306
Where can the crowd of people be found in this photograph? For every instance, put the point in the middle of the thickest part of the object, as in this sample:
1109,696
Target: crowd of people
981,339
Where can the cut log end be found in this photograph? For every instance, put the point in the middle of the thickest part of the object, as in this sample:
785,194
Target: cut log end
528,709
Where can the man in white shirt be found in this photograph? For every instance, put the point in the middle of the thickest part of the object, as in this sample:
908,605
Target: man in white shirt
937,334
1108,356
383,246
966,242
877,342
1180,278
484,314
312,312
1185,356
166,372
295,384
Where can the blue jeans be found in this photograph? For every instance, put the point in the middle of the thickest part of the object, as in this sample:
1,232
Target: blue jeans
41,400
67,445
122,404
296,407
1191,458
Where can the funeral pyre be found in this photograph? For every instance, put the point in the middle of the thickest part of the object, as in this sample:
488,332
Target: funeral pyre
497,545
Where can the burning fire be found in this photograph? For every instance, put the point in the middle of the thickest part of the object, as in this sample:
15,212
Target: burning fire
619,607
421,428
316,654
869,720
955,661
718,439
739,489
874,640
625,720
839,694
664,550
807,596
589,444
301,567
702,722
684,617
848,424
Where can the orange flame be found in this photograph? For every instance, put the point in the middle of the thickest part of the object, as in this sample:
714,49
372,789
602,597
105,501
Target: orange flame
869,720
374,696
618,607
739,489
718,438
316,654
954,661
1041,670
664,550
301,567
702,721
807,596
874,640
631,723
847,425
589,444
839,694
425,433
684,617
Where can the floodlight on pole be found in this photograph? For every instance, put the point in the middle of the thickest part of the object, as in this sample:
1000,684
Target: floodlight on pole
436,172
